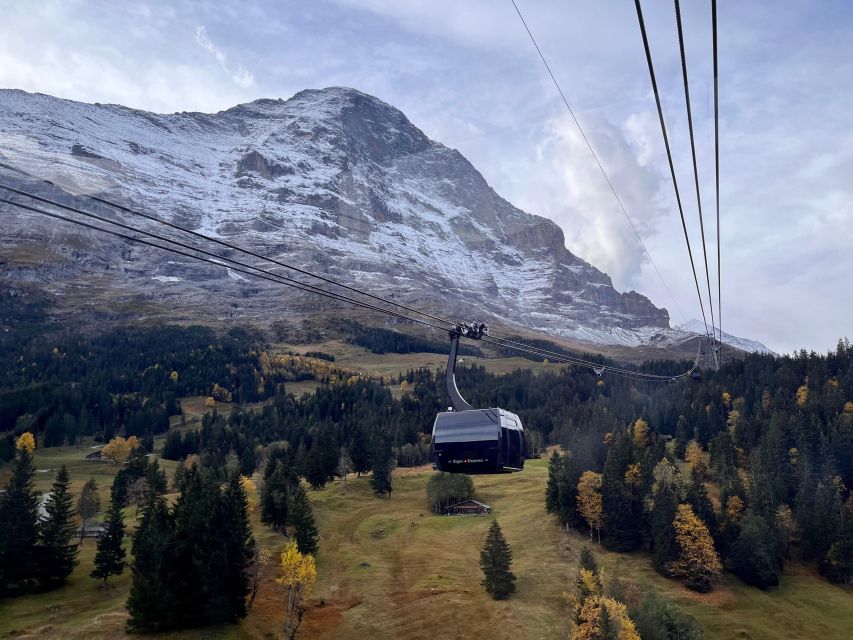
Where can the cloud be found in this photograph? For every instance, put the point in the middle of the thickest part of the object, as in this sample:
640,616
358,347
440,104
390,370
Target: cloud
242,77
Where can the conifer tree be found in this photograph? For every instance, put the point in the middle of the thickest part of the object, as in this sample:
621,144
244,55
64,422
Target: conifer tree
235,537
19,525
302,519
621,500
109,558
603,618
589,501
315,468
57,547
753,556
383,465
552,489
698,563
89,504
359,451
495,561
275,497
150,602
838,564
661,504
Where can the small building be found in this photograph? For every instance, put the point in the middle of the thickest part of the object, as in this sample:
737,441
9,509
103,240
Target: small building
95,455
91,530
468,507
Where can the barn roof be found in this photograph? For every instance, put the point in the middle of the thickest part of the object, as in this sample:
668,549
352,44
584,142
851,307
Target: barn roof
470,501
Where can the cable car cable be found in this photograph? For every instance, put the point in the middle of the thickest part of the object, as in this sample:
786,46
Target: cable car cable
202,236
669,155
597,161
504,342
267,275
216,260
695,166
717,172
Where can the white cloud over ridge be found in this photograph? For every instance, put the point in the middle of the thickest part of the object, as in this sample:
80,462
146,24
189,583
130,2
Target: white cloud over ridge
241,77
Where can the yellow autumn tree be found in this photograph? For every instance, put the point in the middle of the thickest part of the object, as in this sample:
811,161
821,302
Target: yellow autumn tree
117,450
251,490
633,475
734,508
298,575
694,458
848,407
132,442
26,442
591,625
589,501
641,433
727,399
173,376
221,394
698,563
209,402
802,395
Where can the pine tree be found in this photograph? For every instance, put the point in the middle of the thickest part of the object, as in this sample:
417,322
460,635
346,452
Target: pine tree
109,558
57,547
838,564
89,504
359,451
247,462
315,468
620,494
495,561
552,489
661,504
19,526
235,533
302,519
753,556
383,465
150,604
275,497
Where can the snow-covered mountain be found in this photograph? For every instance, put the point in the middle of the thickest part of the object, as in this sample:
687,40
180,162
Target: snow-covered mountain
332,180
696,327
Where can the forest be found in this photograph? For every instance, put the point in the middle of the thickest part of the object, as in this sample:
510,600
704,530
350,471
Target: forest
740,471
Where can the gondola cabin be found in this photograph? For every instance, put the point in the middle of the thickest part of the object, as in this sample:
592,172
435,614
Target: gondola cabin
469,440
478,441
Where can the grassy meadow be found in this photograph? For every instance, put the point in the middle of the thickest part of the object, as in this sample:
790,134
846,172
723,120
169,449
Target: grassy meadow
390,569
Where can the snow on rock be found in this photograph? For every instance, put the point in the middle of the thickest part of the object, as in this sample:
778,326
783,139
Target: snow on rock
332,180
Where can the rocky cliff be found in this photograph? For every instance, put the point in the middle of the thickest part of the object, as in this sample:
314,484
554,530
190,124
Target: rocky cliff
332,180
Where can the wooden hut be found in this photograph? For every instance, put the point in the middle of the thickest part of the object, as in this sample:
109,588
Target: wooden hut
468,507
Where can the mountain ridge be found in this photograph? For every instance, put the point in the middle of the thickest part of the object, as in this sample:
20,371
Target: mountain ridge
332,180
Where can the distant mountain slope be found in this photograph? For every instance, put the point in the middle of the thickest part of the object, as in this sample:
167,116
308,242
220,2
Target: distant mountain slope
697,327
332,180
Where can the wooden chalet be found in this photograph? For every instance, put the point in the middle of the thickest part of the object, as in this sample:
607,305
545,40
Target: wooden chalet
468,507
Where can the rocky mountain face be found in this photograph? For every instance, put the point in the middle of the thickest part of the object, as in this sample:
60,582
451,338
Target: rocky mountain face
331,180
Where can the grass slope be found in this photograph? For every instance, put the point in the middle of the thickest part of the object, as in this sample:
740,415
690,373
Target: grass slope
390,569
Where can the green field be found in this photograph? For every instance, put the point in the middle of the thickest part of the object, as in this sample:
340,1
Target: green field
390,569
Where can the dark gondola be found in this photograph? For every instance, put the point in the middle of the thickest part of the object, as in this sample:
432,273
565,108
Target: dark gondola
469,440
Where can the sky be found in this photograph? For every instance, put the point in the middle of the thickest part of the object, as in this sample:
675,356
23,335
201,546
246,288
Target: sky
466,73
